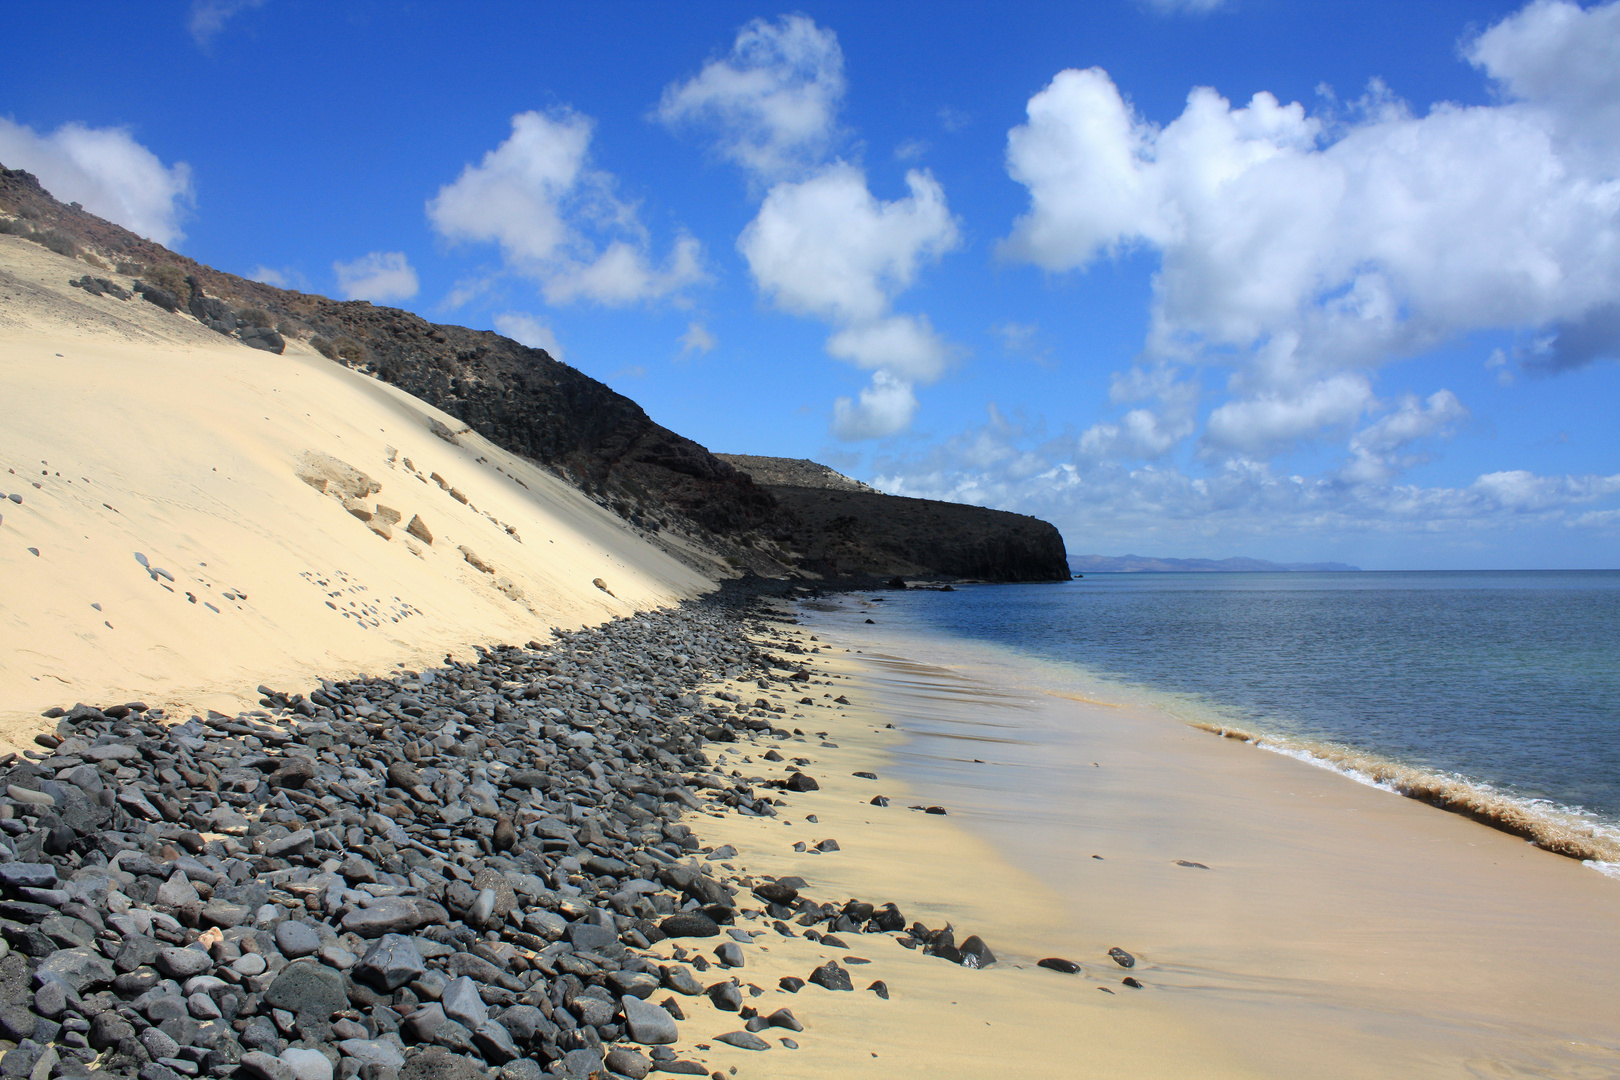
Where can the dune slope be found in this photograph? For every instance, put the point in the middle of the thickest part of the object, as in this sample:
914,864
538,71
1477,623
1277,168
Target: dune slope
193,515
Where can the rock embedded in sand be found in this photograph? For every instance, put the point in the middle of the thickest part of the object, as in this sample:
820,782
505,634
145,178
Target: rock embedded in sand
419,530
743,1040
832,977
1122,958
1057,963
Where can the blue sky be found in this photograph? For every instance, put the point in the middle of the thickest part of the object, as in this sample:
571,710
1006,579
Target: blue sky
1294,280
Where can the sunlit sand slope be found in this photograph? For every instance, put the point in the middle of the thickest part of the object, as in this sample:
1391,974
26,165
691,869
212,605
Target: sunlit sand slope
197,517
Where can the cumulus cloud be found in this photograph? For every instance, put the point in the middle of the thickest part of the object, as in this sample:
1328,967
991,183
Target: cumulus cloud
822,245
697,339
107,172
1304,251
1379,452
1258,425
905,346
826,247
525,329
772,102
1244,504
885,408
379,276
558,220
208,17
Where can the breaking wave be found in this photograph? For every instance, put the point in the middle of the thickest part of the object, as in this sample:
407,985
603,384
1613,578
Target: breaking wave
1562,830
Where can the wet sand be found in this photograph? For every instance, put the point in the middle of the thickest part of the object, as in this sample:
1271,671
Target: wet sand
1338,930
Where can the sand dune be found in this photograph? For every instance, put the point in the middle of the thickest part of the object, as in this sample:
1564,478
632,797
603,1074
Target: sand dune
193,516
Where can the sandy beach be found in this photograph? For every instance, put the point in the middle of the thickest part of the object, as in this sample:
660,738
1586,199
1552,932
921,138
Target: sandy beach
131,434
197,518
1329,928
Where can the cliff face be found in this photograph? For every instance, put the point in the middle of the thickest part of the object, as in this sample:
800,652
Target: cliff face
844,532
523,400
517,397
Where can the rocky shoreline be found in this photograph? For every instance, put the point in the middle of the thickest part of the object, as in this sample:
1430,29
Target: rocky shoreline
476,871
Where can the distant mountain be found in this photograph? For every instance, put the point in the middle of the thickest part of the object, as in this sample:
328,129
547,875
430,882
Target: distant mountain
1136,564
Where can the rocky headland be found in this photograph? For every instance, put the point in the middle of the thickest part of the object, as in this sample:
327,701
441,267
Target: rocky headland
845,528
526,402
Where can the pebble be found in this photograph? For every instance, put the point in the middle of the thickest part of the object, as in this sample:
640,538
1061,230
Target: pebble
451,875
296,939
307,1064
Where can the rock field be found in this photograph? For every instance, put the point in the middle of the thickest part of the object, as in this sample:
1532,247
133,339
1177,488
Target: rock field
438,876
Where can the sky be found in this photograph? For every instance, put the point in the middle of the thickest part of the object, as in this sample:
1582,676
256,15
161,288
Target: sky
1191,278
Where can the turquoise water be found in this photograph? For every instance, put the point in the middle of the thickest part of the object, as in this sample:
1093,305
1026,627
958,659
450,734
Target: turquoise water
1507,680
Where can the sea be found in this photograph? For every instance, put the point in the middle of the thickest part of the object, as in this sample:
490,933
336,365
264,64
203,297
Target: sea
1494,694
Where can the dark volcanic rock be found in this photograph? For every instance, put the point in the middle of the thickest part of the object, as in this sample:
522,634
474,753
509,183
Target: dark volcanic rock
689,924
529,403
831,976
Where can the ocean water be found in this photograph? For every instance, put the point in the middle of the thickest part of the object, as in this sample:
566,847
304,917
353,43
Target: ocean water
1494,694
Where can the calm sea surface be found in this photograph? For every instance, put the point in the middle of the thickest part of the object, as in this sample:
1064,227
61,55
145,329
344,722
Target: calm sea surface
1506,679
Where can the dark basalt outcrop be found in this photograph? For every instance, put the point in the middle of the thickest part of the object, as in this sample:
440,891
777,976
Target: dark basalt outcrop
856,532
526,402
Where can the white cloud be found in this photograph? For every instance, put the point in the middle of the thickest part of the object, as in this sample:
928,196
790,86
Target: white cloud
697,339
885,408
1244,505
208,17
1561,59
107,172
1378,450
772,102
1261,424
379,276
285,277
1305,251
559,221
270,276
905,346
822,245
525,329
1140,433
827,248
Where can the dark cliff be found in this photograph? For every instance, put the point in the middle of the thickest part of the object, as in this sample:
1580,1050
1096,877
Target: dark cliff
845,528
523,400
